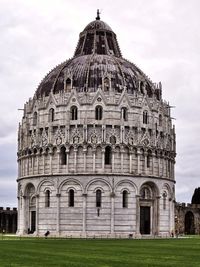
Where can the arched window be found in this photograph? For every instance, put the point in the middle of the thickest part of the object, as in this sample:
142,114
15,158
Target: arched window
71,198
145,117
145,193
98,113
125,199
47,199
63,157
51,115
169,166
113,140
164,200
106,83
68,84
149,159
74,113
108,155
98,198
124,114
160,120
35,118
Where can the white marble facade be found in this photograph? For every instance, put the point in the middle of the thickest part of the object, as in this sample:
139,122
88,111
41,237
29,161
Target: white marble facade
98,161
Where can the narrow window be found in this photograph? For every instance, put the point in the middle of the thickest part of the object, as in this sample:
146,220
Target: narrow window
160,120
145,117
125,199
113,140
169,166
106,84
164,200
98,212
74,113
108,155
98,113
98,198
51,115
71,198
35,118
148,159
63,157
145,193
124,114
68,84
47,199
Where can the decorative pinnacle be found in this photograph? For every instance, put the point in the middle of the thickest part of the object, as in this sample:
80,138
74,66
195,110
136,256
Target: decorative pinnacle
98,15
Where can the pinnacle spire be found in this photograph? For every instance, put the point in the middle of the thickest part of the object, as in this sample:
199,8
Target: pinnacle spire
98,15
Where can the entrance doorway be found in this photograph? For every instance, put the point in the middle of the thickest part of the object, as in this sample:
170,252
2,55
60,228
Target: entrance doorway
145,220
33,221
189,223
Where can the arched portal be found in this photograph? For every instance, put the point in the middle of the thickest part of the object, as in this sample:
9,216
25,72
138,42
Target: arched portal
148,204
189,223
30,209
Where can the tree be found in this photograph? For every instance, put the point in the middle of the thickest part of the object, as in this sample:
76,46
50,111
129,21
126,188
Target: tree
196,196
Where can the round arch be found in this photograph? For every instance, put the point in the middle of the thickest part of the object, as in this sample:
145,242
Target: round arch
98,180
189,223
129,182
69,180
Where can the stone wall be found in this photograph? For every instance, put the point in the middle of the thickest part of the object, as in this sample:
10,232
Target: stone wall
187,218
8,220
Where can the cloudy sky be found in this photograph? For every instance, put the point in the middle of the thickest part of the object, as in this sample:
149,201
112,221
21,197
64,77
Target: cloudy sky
162,37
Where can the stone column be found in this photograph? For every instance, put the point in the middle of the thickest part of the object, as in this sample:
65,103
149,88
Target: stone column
112,222
137,230
67,159
32,159
58,215
37,214
37,162
113,160
19,168
153,162
138,162
84,213
162,166
43,160
58,161
130,161
75,159
157,216
103,159
18,214
94,160
23,216
25,170
122,160
158,165
145,163
84,158
50,162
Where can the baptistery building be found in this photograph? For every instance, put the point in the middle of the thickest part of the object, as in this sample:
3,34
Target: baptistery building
96,147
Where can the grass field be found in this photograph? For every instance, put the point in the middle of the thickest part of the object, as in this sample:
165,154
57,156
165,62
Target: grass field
102,253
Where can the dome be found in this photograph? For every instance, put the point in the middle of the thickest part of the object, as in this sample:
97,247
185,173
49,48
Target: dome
88,72
97,25
97,56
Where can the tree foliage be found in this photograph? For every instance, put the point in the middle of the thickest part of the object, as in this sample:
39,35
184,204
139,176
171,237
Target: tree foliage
196,196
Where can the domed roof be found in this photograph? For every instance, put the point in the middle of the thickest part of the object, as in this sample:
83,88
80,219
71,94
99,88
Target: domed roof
97,60
97,25
89,72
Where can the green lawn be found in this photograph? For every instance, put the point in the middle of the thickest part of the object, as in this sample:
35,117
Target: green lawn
102,253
